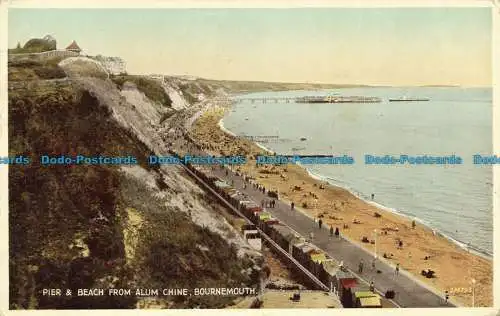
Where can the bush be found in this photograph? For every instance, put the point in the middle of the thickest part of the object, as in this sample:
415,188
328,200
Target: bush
151,88
46,69
38,45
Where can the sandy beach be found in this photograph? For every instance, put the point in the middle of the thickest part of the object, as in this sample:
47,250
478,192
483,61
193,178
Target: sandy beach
454,267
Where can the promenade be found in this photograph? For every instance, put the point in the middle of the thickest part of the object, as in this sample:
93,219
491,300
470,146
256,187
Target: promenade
410,292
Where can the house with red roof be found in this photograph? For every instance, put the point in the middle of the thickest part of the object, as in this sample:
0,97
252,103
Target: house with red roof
74,47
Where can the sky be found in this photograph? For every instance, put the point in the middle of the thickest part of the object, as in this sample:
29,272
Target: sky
376,46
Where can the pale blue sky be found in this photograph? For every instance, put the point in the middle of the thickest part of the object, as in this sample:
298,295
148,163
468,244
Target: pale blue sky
399,46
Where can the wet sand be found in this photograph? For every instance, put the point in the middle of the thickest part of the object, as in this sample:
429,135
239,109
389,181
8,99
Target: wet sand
454,267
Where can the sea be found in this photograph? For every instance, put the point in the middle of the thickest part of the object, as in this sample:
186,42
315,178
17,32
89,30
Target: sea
454,200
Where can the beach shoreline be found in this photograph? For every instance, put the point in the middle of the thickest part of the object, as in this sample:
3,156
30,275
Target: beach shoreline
455,267
470,248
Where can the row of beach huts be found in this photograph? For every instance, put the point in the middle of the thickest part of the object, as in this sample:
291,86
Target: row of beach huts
351,291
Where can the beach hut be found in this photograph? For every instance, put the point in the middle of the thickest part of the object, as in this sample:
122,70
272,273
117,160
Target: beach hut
367,299
283,236
268,224
327,273
301,253
345,281
221,184
317,256
252,236
264,215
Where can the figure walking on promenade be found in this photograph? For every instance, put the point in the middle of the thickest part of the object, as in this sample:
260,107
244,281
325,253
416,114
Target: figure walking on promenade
331,231
292,206
372,287
337,232
311,236
373,264
360,266
320,223
396,272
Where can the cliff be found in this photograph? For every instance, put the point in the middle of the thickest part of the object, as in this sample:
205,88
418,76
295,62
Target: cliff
109,226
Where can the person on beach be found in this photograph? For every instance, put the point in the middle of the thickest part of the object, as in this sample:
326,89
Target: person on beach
331,231
373,196
413,224
292,206
337,232
360,266
396,272
320,223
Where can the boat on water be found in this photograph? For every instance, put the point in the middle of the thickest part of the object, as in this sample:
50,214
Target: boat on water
298,148
303,138
407,99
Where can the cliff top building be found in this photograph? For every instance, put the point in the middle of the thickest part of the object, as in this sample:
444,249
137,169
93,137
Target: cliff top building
74,47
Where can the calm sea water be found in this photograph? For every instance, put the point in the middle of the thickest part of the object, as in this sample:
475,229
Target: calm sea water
454,200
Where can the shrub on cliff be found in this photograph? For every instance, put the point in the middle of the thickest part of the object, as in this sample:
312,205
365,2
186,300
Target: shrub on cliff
38,45
151,88
51,205
28,69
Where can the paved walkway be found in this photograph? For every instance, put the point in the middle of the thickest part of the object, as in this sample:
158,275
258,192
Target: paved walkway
409,291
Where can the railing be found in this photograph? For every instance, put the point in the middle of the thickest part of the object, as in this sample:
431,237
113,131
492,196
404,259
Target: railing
50,53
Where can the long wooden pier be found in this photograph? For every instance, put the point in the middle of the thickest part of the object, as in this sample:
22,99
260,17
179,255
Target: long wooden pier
306,99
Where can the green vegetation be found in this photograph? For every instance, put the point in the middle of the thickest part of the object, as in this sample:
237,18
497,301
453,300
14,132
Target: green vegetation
34,45
83,68
29,69
175,253
189,92
151,88
50,206
54,210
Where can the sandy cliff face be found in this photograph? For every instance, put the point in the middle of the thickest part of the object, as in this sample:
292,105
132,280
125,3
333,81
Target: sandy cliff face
122,225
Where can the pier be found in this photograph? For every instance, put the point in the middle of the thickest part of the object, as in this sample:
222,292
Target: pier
306,99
